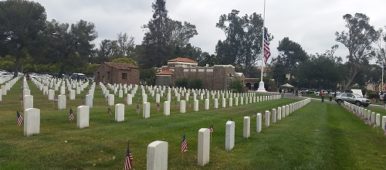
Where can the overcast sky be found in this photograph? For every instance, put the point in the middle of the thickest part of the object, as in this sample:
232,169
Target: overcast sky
311,23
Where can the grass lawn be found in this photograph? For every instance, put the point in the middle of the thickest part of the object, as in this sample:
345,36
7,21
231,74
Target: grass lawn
318,136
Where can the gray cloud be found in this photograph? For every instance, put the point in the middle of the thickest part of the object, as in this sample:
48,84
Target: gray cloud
311,23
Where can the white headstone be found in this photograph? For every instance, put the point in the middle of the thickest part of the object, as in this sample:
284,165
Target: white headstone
287,110
216,103
51,94
206,104
119,112
378,120
373,118
72,94
120,93
224,103
129,99
110,99
278,113
4,90
28,101
157,156
274,115
82,116
230,135
62,101
384,123
258,123
157,98
31,121
166,108
231,102
196,106
203,149
146,110
267,118
89,100
62,90
247,127
283,112
182,106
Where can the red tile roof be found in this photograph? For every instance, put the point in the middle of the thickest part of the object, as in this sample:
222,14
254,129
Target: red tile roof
121,66
182,59
165,71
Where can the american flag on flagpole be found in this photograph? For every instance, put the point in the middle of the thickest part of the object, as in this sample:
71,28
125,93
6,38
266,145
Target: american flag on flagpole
19,118
71,116
184,144
267,51
128,159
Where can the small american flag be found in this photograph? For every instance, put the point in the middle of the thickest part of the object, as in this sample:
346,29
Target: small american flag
267,51
19,118
184,144
71,116
128,159
211,128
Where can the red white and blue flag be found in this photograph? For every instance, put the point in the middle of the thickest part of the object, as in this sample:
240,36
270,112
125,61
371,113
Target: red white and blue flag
184,144
267,51
19,118
129,159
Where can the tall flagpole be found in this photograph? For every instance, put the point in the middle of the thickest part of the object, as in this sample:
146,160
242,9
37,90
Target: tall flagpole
261,84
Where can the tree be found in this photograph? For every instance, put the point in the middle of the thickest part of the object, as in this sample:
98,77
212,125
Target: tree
125,45
291,56
381,51
105,50
242,45
358,39
21,23
320,72
122,47
163,36
83,33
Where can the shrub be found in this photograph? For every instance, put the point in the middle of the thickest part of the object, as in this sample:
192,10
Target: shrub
182,82
236,86
195,84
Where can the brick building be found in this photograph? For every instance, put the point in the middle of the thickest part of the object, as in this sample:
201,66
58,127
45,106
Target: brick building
217,77
110,72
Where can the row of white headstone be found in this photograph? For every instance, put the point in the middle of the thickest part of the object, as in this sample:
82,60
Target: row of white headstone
5,78
7,86
48,87
157,151
183,104
61,99
159,92
368,116
32,118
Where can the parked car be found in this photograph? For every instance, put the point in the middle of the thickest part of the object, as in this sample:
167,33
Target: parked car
352,98
78,76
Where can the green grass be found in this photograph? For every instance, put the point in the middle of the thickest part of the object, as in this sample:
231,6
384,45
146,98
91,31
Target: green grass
318,136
